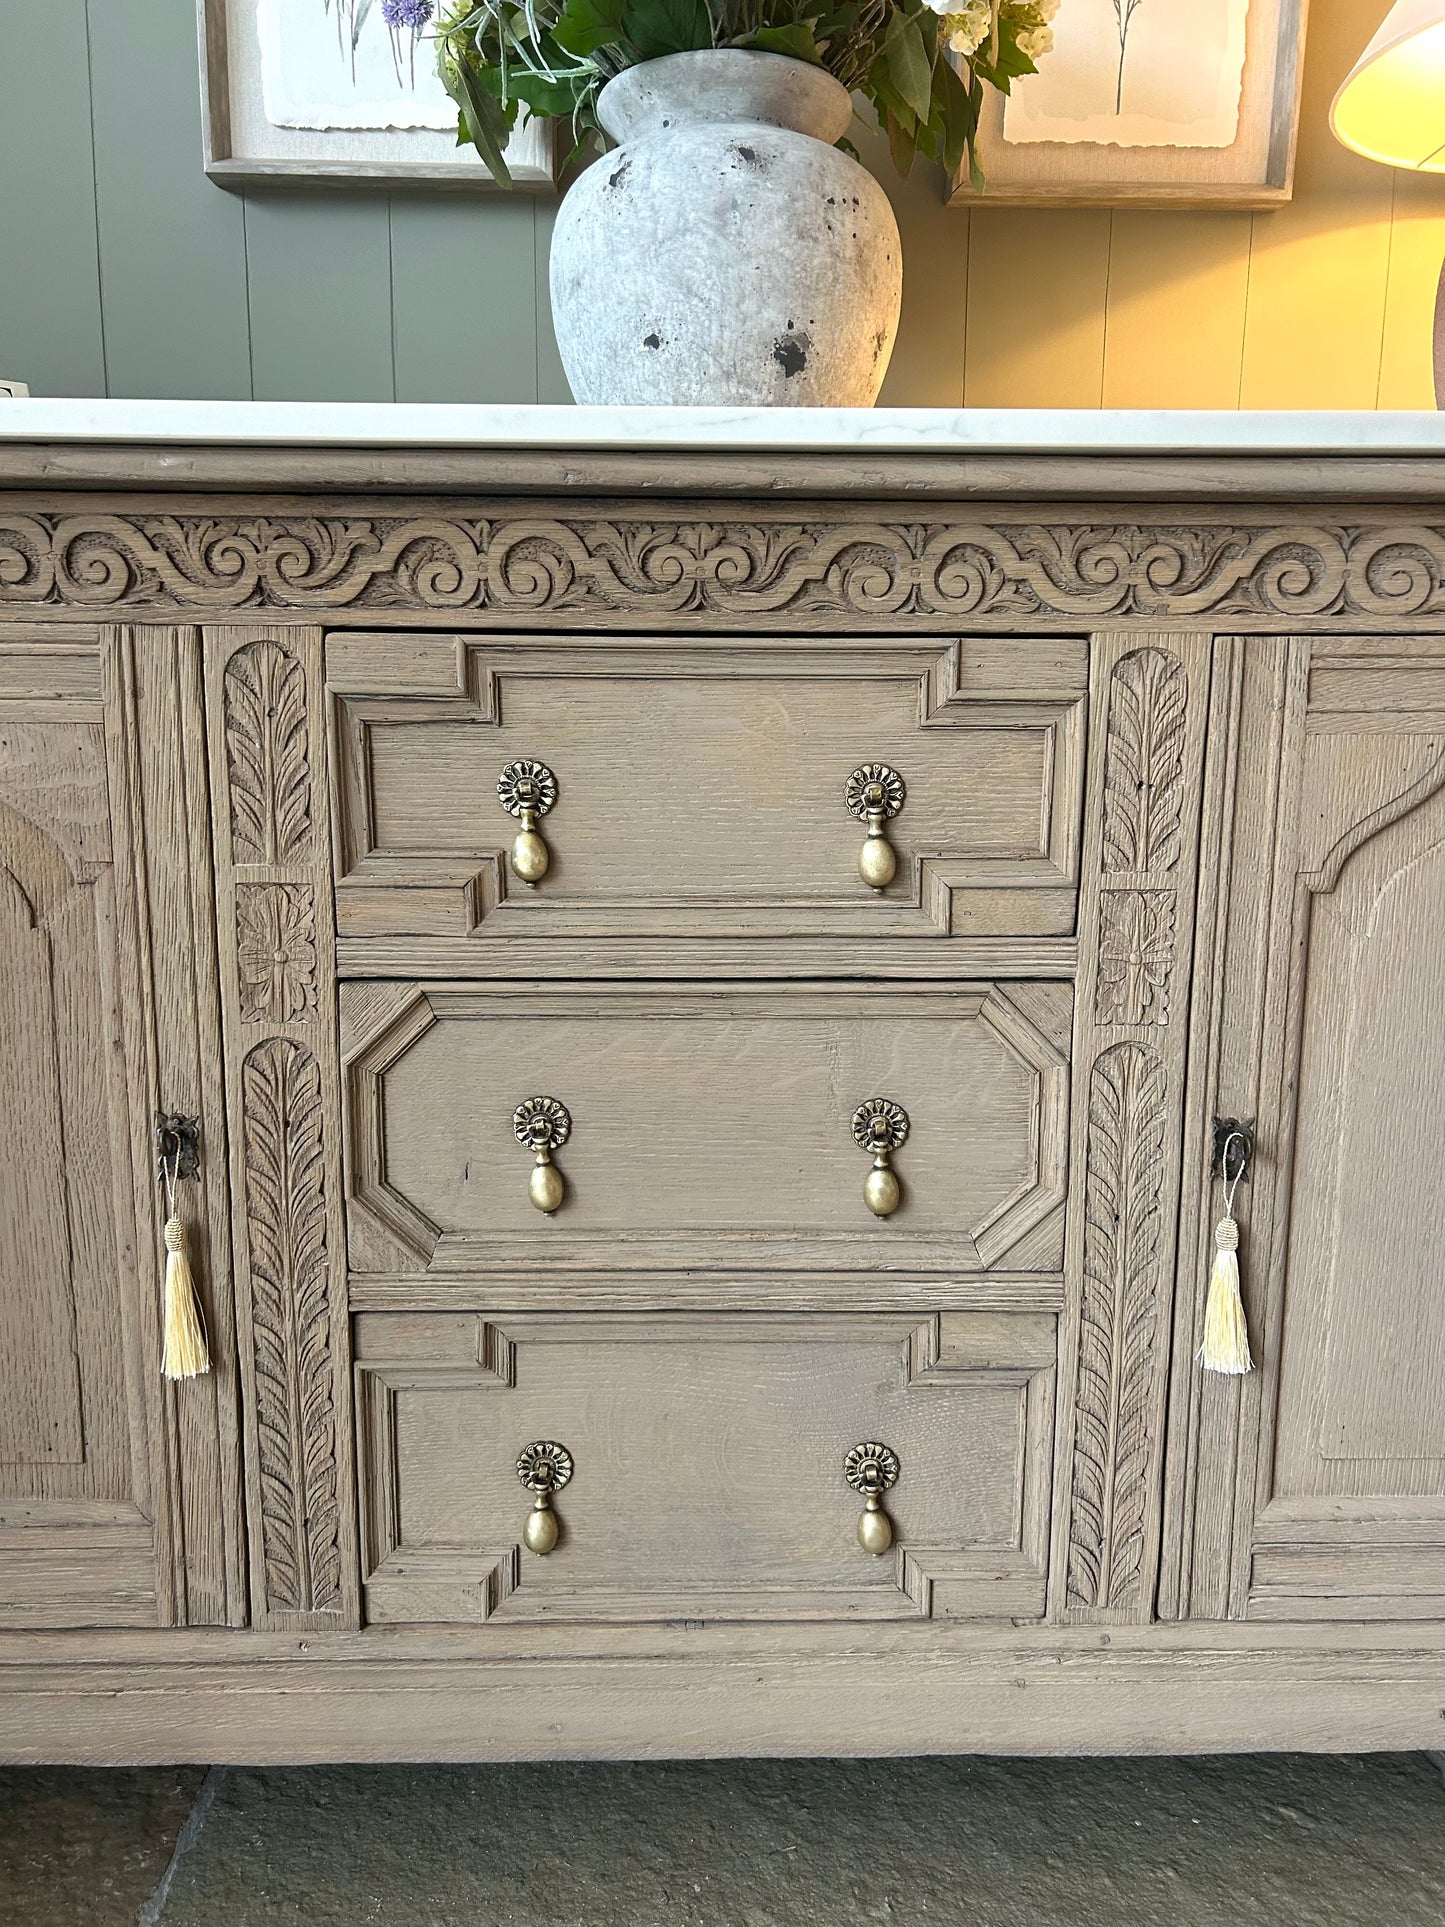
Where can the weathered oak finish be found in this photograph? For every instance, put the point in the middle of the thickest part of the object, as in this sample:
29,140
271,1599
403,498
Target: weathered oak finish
1319,1490
701,790
710,1126
1171,849
709,1465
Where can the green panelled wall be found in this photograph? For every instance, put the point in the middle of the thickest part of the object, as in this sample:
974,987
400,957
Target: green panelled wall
124,271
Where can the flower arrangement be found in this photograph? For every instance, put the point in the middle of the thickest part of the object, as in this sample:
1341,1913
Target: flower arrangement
921,64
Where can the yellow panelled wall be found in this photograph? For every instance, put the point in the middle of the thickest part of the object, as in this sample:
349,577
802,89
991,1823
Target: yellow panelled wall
1324,303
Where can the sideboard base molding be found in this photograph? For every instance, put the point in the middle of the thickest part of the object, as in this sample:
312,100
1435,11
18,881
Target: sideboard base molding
1166,1690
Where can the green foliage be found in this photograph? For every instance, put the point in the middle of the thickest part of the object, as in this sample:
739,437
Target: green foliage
923,73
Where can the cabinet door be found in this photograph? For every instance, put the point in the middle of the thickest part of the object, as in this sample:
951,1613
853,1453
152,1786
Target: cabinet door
118,1497
1331,1456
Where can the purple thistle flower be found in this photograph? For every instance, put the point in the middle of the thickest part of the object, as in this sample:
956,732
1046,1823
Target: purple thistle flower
412,14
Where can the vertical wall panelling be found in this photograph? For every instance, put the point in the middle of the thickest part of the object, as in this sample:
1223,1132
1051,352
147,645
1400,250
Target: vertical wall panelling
1174,331
320,280
1417,242
360,295
1037,285
550,379
50,333
481,344
927,366
1318,266
172,247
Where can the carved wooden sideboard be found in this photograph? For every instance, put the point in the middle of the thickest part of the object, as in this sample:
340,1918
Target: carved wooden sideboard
1167,735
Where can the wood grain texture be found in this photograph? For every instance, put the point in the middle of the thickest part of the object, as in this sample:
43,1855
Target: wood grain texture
1131,1028
1318,1488
713,1302
268,778
88,1515
703,1692
733,826
160,805
745,1514
675,1160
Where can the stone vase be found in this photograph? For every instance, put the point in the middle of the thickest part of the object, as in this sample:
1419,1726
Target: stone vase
725,253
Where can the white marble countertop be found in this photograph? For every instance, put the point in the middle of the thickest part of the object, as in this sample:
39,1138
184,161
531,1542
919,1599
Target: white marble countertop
1042,431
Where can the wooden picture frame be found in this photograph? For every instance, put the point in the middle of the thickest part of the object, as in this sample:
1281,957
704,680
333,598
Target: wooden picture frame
242,148
1255,171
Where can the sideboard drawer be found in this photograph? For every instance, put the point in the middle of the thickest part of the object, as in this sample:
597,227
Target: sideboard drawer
707,1465
701,785
709,1125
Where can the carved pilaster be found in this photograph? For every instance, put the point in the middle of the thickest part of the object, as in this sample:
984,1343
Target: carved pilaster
277,968
1149,696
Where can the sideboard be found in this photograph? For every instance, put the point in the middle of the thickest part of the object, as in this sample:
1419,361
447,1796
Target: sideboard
706,964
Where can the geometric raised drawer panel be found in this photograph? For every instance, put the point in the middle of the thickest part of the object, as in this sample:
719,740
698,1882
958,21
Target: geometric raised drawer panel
700,787
711,1125
708,1455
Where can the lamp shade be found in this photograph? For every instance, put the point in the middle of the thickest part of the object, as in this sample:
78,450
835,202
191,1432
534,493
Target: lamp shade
1391,107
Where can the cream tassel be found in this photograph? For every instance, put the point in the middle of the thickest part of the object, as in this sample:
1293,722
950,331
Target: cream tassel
184,1353
1226,1335
1226,1331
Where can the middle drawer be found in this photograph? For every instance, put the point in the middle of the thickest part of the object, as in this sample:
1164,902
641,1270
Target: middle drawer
719,1126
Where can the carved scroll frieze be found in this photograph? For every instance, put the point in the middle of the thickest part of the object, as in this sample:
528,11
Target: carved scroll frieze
291,1335
276,952
267,761
515,566
1123,1278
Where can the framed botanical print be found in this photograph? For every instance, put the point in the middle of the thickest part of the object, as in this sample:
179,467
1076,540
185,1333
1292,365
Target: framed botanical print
339,90
1170,103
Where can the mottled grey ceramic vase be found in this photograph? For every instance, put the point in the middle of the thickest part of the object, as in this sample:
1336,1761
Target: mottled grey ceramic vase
725,253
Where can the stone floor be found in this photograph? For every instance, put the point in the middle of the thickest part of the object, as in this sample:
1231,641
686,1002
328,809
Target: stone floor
1281,1839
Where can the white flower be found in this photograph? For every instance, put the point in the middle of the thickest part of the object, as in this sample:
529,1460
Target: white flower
939,6
967,27
1046,9
1036,41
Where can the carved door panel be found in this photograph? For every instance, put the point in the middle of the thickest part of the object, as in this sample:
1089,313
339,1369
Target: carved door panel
119,1497
1336,1472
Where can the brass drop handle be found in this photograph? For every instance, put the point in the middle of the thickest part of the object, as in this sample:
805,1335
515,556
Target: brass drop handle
544,1467
543,1126
879,1127
872,1469
875,794
527,790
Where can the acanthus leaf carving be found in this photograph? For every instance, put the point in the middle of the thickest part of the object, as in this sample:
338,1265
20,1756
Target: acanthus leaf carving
267,754
1114,1444
1144,762
296,1417
949,567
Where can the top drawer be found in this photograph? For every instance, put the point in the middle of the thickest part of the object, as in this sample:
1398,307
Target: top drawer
701,787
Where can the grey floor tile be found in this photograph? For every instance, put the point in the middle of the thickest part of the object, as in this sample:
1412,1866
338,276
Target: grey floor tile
1290,1841
86,1847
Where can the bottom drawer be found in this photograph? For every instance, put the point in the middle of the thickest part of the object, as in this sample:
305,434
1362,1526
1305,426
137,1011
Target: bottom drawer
707,1464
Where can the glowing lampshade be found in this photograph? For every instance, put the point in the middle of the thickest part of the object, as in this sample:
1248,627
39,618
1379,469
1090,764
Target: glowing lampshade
1391,107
